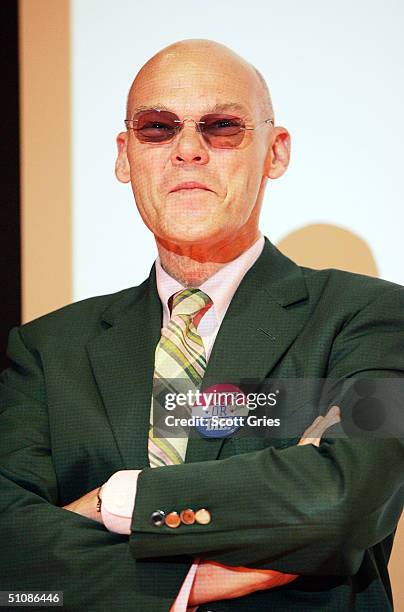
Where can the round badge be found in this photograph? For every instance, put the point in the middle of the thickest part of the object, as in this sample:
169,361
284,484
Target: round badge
221,410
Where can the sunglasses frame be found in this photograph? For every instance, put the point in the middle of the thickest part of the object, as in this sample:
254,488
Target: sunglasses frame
129,126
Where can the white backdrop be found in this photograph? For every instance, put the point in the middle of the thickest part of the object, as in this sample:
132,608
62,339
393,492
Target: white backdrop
335,71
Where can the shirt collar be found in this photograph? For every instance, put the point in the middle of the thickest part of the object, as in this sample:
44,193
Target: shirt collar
220,287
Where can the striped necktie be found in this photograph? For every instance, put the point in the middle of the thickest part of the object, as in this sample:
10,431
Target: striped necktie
179,366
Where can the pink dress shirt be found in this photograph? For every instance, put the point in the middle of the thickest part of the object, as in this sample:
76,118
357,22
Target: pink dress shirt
119,492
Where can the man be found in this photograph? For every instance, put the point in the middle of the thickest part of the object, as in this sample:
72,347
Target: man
79,406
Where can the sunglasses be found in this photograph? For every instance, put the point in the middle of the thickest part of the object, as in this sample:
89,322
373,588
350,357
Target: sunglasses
219,130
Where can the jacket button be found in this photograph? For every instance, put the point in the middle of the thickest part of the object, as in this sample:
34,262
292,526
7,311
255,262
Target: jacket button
187,516
173,520
203,516
158,517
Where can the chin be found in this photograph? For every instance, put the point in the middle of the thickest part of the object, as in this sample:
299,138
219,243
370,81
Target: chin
190,234
188,227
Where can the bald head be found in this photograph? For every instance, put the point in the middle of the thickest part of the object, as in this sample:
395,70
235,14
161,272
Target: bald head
196,54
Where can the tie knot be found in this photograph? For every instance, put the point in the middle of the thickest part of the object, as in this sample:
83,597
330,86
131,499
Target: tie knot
189,302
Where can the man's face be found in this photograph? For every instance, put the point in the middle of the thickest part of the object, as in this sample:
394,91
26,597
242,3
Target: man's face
232,177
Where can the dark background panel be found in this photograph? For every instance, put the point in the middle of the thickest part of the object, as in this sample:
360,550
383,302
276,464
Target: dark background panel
10,260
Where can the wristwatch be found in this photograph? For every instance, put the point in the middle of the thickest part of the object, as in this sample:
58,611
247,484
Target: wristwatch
99,496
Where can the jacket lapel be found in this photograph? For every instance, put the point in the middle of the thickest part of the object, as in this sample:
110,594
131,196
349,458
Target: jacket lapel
122,358
259,326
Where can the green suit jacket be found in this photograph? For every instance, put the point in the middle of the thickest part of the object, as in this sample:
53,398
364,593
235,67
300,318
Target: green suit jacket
75,408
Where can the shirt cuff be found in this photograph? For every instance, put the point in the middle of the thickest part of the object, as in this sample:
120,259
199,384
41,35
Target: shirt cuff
118,500
181,602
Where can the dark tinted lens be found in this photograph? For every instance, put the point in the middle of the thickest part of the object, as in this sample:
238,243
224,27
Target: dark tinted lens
222,131
155,126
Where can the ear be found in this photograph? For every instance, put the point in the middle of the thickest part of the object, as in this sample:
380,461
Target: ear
122,168
278,155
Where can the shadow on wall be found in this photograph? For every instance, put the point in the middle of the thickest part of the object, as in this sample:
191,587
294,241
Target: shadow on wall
328,246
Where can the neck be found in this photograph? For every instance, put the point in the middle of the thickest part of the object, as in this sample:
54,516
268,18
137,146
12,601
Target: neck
193,266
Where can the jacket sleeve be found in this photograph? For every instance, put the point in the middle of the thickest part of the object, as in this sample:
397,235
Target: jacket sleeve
44,546
301,509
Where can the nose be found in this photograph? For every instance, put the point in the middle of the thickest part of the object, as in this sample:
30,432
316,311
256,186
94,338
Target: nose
189,146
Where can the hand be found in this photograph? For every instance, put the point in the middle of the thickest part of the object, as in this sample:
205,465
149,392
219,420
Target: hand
312,435
86,506
214,581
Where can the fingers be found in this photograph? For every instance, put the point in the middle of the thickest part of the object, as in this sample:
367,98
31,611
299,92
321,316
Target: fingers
313,434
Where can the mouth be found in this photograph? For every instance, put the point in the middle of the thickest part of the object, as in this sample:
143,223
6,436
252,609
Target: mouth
189,185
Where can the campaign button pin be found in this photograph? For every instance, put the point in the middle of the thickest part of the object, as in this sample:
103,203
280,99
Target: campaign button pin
220,410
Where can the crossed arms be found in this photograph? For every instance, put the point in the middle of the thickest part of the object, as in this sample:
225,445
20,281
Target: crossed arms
214,581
